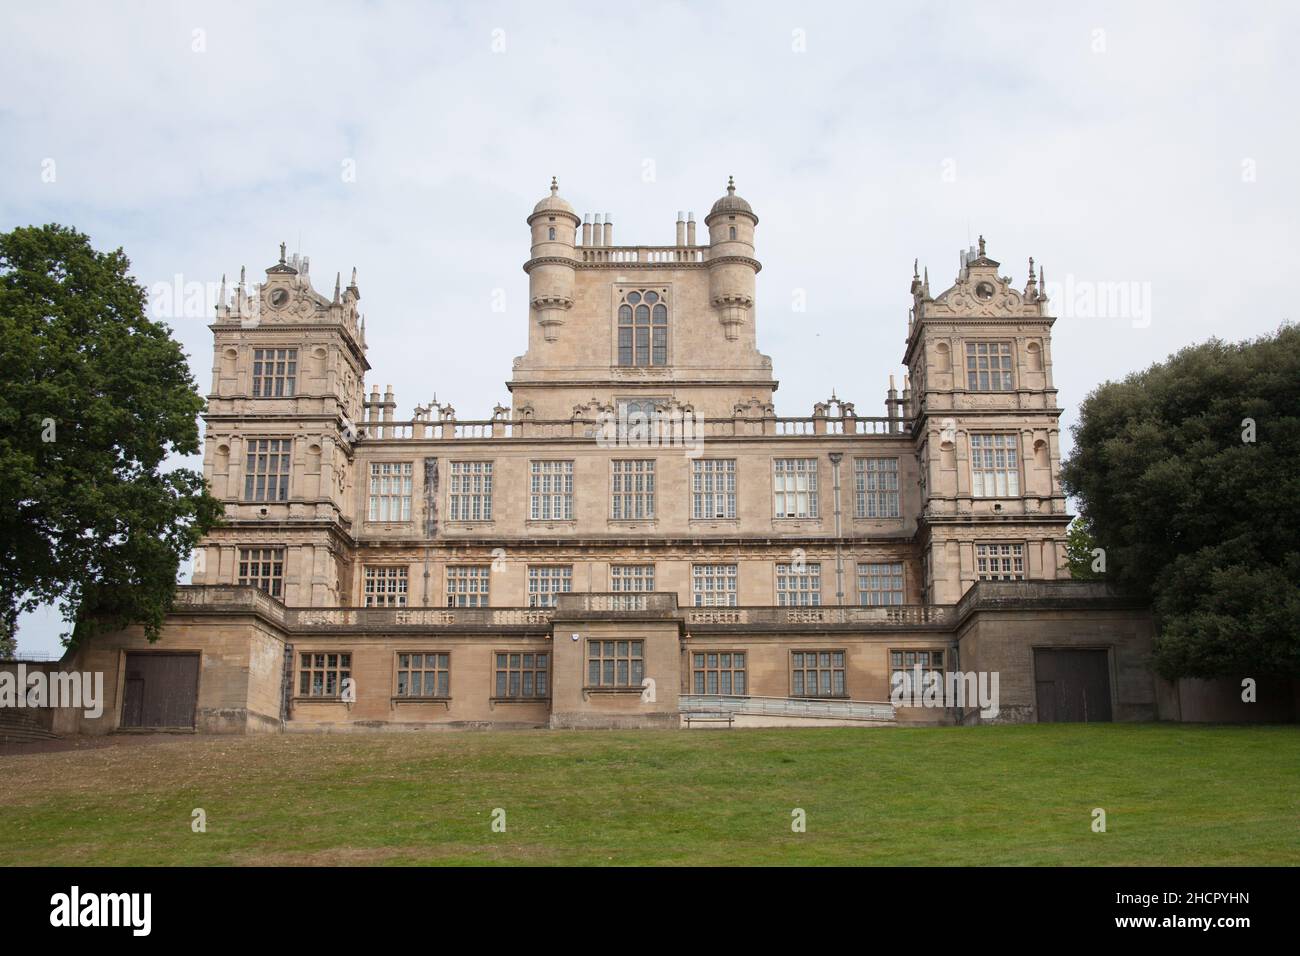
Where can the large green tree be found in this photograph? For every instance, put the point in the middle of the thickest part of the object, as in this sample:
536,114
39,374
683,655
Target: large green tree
94,398
1188,476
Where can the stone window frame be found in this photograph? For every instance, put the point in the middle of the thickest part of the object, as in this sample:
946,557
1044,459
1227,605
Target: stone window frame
540,499
724,571
632,486
548,574
470,491
631,300
899,664
272,464
1005,358
333,665
504,672
390,489
717,474
457,579
702,669
441,672
639,573
273,555
801,669
396,575
1012,552
610,654
986,447
798,588
868,576
282,382
871,488
781,475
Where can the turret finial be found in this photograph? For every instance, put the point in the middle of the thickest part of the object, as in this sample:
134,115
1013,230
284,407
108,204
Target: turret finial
338,278
731,185
555,186
354,277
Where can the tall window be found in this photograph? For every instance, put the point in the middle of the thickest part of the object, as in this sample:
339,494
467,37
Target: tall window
471,491
546,581
467,585
275,372
643,328
1000,562
799,586
322,675
718,672
522,674
551,491
880,584
995,467
386,586
266,471
988,366
875,485
714,585
262,568
615,663
424,675
713,488
390,491
817,674
632,578
633,488
794,483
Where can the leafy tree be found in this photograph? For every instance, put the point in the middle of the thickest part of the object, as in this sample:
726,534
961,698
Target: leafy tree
1079,548
1188,474
94,397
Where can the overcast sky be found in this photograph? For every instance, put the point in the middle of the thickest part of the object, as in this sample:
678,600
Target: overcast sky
1138,147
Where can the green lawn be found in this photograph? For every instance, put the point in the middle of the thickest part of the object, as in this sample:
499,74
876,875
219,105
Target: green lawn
1173,795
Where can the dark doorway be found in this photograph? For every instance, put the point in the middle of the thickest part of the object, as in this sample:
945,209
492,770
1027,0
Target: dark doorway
1073,685
161,690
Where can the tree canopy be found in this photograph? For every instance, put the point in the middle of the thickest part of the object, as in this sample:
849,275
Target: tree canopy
1188,477
95,397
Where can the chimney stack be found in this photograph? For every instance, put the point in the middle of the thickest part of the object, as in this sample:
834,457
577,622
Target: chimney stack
690,228
609,230
681,229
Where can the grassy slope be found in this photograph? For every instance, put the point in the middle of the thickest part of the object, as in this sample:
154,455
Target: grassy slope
1173,794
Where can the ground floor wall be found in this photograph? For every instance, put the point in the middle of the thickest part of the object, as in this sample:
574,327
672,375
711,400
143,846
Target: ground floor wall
275,669
1005,641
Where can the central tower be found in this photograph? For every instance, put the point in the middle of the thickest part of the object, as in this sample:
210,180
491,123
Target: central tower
619,324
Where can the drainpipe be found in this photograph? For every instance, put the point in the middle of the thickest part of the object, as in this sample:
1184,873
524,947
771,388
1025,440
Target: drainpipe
839,555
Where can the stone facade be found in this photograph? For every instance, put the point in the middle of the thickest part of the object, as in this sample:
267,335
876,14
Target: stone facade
637,509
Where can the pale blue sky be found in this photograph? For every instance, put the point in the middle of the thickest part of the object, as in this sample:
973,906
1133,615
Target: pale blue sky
1135,143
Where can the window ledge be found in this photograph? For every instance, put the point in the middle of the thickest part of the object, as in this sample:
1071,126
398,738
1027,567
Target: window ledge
519,700
614,690
420,700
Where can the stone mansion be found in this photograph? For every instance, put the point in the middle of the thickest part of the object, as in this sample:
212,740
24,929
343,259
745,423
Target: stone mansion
640,539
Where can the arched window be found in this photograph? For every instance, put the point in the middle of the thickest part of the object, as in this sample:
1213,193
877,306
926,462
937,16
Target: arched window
551,233
733,232
643,328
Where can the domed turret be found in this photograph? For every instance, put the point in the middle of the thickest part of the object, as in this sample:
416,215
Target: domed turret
731,204
550,270
555,203
732,265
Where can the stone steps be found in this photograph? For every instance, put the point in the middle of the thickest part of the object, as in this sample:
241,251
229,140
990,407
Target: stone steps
17,726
